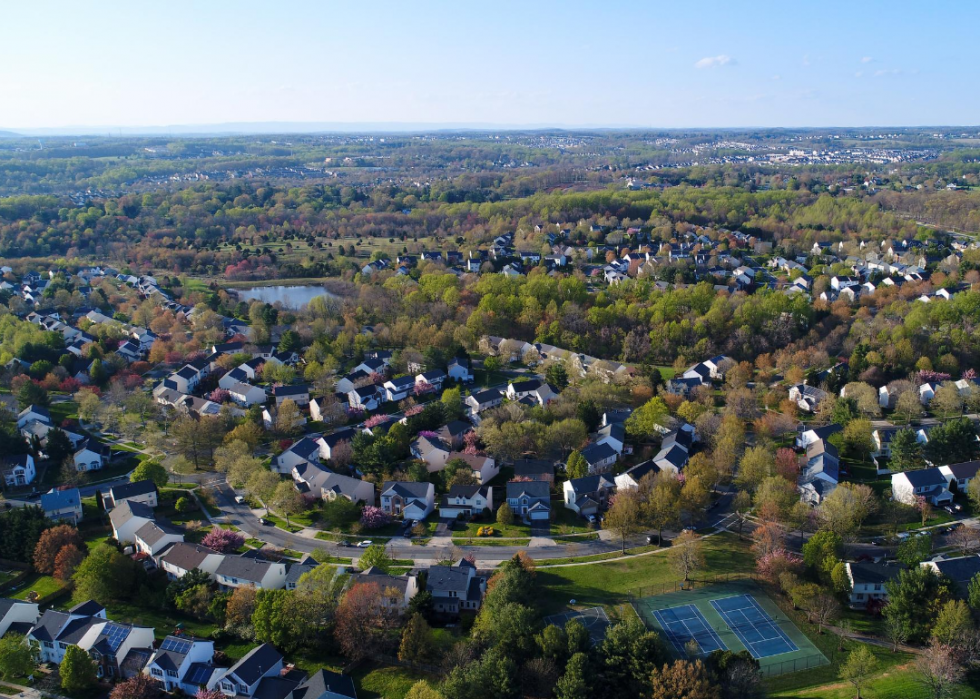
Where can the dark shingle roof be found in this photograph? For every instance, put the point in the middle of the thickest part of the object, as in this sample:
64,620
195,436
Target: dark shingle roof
324,684
256,663
130,490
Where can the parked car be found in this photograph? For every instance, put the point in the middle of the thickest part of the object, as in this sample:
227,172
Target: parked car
239,499
653,539
344,543
363,544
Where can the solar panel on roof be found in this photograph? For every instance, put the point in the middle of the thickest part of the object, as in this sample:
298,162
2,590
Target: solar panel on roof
177,645
199,674
115,635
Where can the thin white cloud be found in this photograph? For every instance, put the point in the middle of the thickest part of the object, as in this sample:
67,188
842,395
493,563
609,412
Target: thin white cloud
777,77
859,74
890,71
715,61
867,59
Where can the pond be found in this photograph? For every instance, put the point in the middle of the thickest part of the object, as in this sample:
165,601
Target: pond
288,296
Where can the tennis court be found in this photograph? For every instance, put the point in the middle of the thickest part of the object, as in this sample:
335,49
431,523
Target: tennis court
684,624
733,615
756,630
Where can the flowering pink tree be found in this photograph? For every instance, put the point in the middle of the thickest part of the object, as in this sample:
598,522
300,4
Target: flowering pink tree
929,376
219,395
428,434
376,378
375,421
203,693
223,540
374,517
969,374
414,410
422,387
471,441
776,562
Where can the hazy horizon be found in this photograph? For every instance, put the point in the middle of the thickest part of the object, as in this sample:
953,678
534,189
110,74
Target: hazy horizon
506,64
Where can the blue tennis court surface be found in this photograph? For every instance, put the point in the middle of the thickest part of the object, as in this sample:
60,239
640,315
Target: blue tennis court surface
684,623
755,629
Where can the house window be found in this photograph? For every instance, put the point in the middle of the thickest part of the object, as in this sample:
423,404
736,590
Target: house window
860,596
156,672
242,689
48,644
171,673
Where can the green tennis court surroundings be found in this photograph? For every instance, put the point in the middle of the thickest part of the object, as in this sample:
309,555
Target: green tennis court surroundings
735,615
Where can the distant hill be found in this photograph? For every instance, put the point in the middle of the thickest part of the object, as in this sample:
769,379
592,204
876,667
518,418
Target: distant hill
10,134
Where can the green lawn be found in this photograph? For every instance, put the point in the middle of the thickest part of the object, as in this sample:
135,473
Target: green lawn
42,584
489,541
469,529
608,583
163,622
385,682
892,684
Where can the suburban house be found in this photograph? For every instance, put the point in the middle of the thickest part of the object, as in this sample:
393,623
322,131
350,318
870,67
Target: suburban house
807,436
709,369
456,588
434,378
297,570
928,483
17,616
181,558
821,473
631,478
127,517
336,485
600,457
86,626
324,684
329,442
520,389
466,501
401,588
960,570
154,537
453,433
408,499
589,495
671,458
244,677
92,457
459,370
483,400
182,662
298,394
33,413
399,388
144,492
303,451
484,467
960,474
613,434
247,395
366,398
807,398
530,499
246,571
63,505
432,450
535,470
868,581
18,470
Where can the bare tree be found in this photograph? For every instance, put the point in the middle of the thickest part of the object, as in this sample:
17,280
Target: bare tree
965,539
938,671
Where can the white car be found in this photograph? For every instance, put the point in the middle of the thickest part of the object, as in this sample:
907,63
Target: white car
239,499
363,544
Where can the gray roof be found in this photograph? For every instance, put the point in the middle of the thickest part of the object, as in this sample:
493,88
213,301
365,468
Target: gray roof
298,570
591,484
446,579
255,663
382,579
128,509
324,684
341,485
534,489
595,453
61,500
243,568
533,467
873,573
640,470
926,477
407,489
130,490
152,532
187,556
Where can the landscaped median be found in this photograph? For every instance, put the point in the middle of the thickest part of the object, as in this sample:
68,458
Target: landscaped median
490,541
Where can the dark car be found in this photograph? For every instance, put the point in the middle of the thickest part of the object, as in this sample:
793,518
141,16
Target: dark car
266,522
344,543
653,539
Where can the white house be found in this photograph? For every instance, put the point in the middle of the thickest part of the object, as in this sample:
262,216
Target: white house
927,392
144,492
806,397
247,395
399,388
153,538
17,616
588,495
62,505
408,499
961,474
91,457
127,517
484,467
432,450
298,394
600,457
868,581
808,436
456,588
184,557
459,370
366,398
928,483
631,478
336,485
18,470
181,662
466,501
246,571
244,677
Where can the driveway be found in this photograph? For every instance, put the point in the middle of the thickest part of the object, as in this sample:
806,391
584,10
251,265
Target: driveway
540,529
442,527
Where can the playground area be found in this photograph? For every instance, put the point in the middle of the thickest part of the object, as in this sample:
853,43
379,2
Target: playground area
735,615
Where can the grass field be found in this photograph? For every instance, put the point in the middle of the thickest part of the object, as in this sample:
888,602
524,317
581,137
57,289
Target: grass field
607,584
41,584
898,683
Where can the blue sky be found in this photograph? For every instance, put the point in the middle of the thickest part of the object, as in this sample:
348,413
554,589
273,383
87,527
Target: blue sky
537,62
